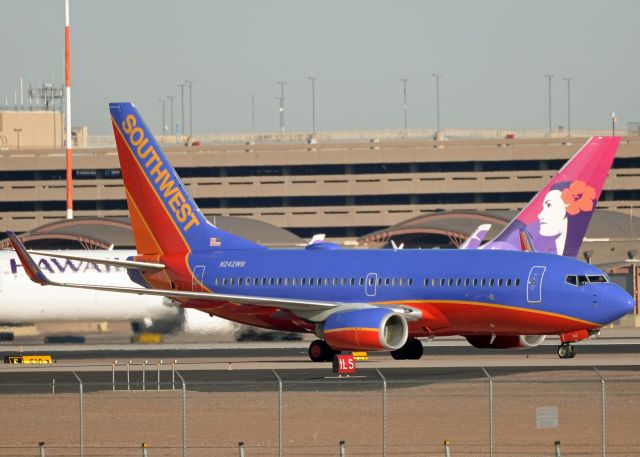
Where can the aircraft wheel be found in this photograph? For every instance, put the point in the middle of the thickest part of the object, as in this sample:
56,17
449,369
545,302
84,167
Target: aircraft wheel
319,351
414,349
564,351
572,353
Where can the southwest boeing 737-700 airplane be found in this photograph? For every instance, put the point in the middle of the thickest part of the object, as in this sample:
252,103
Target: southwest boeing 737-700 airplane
373,300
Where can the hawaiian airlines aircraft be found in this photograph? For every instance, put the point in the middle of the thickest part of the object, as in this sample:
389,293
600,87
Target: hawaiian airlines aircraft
557,217
23,302
374,300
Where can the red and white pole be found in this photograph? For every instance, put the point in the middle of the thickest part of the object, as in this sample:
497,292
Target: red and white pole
69,141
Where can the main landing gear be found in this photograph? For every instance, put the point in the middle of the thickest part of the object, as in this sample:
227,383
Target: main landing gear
566,351
320,351
412,350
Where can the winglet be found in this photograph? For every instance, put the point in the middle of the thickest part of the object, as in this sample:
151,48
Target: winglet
30,266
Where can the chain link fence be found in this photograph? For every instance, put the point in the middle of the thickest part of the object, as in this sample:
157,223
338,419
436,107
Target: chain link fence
153,410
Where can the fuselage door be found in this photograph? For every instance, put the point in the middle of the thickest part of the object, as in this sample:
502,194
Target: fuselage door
370,284
534,284
198,278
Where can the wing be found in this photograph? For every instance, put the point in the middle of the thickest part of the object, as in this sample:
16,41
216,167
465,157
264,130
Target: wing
313,310
129,264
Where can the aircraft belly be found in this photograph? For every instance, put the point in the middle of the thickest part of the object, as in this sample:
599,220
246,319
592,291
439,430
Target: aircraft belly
459,317
259,316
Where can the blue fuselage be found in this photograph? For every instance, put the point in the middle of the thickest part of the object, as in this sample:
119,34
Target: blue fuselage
458,291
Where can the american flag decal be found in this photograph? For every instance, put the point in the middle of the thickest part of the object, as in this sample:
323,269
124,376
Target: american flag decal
214,242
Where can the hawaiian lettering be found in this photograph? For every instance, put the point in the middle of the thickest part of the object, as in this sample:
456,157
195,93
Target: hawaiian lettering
172,193
56,266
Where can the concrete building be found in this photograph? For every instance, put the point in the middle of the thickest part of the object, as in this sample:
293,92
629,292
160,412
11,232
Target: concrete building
346,189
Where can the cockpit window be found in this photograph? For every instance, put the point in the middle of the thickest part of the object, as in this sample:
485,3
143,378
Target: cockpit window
598,279
581,280
572,279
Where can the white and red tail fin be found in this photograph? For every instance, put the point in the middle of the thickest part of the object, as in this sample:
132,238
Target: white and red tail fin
557,218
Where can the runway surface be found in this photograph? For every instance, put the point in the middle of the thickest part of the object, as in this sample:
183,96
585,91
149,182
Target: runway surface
613,349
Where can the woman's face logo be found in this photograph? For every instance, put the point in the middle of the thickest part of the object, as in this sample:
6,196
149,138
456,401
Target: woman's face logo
553,215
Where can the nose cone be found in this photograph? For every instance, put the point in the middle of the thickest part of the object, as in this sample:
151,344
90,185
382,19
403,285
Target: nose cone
619,303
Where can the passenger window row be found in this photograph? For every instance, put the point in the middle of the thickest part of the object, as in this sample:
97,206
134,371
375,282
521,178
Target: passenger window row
474,282
370,281
333,282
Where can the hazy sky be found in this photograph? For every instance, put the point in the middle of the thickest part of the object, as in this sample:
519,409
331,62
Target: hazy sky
493,56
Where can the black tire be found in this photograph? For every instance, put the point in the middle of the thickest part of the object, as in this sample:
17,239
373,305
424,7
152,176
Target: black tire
564,351
319,351
572,352
414,349
398,354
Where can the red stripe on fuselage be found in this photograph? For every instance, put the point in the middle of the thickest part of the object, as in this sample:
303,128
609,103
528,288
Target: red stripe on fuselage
440,318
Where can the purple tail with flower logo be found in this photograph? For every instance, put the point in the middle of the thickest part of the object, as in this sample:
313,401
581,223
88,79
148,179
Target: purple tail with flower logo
558,216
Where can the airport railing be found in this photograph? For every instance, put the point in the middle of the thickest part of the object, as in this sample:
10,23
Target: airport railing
153,409
361,135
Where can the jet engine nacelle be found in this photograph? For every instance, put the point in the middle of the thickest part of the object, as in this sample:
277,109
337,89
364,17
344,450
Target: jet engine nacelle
505,341
187,321
368,329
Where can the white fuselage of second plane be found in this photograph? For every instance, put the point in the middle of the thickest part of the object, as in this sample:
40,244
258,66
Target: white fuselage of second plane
24,302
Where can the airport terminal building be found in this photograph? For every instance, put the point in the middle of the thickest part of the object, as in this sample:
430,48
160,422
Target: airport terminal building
425,192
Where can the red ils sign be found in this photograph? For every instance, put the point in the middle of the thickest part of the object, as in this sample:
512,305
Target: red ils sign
344,364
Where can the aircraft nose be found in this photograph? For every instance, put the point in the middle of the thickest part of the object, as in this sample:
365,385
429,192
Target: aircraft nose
622,303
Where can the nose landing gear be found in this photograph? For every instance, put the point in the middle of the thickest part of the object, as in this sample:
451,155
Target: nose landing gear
566,351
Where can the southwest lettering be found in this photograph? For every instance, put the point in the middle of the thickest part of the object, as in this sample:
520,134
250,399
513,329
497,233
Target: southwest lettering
133,133
194,220
185,211
164,174
170,189
156,170
154,158
176,201
142,144
172,193
129,123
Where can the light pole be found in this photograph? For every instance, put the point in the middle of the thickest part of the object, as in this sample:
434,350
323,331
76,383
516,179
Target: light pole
164,102
18,134
313,102
613,124
437,76
171,97
279,100
282,84
549,79
190,82
181,86
568,80
404,92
